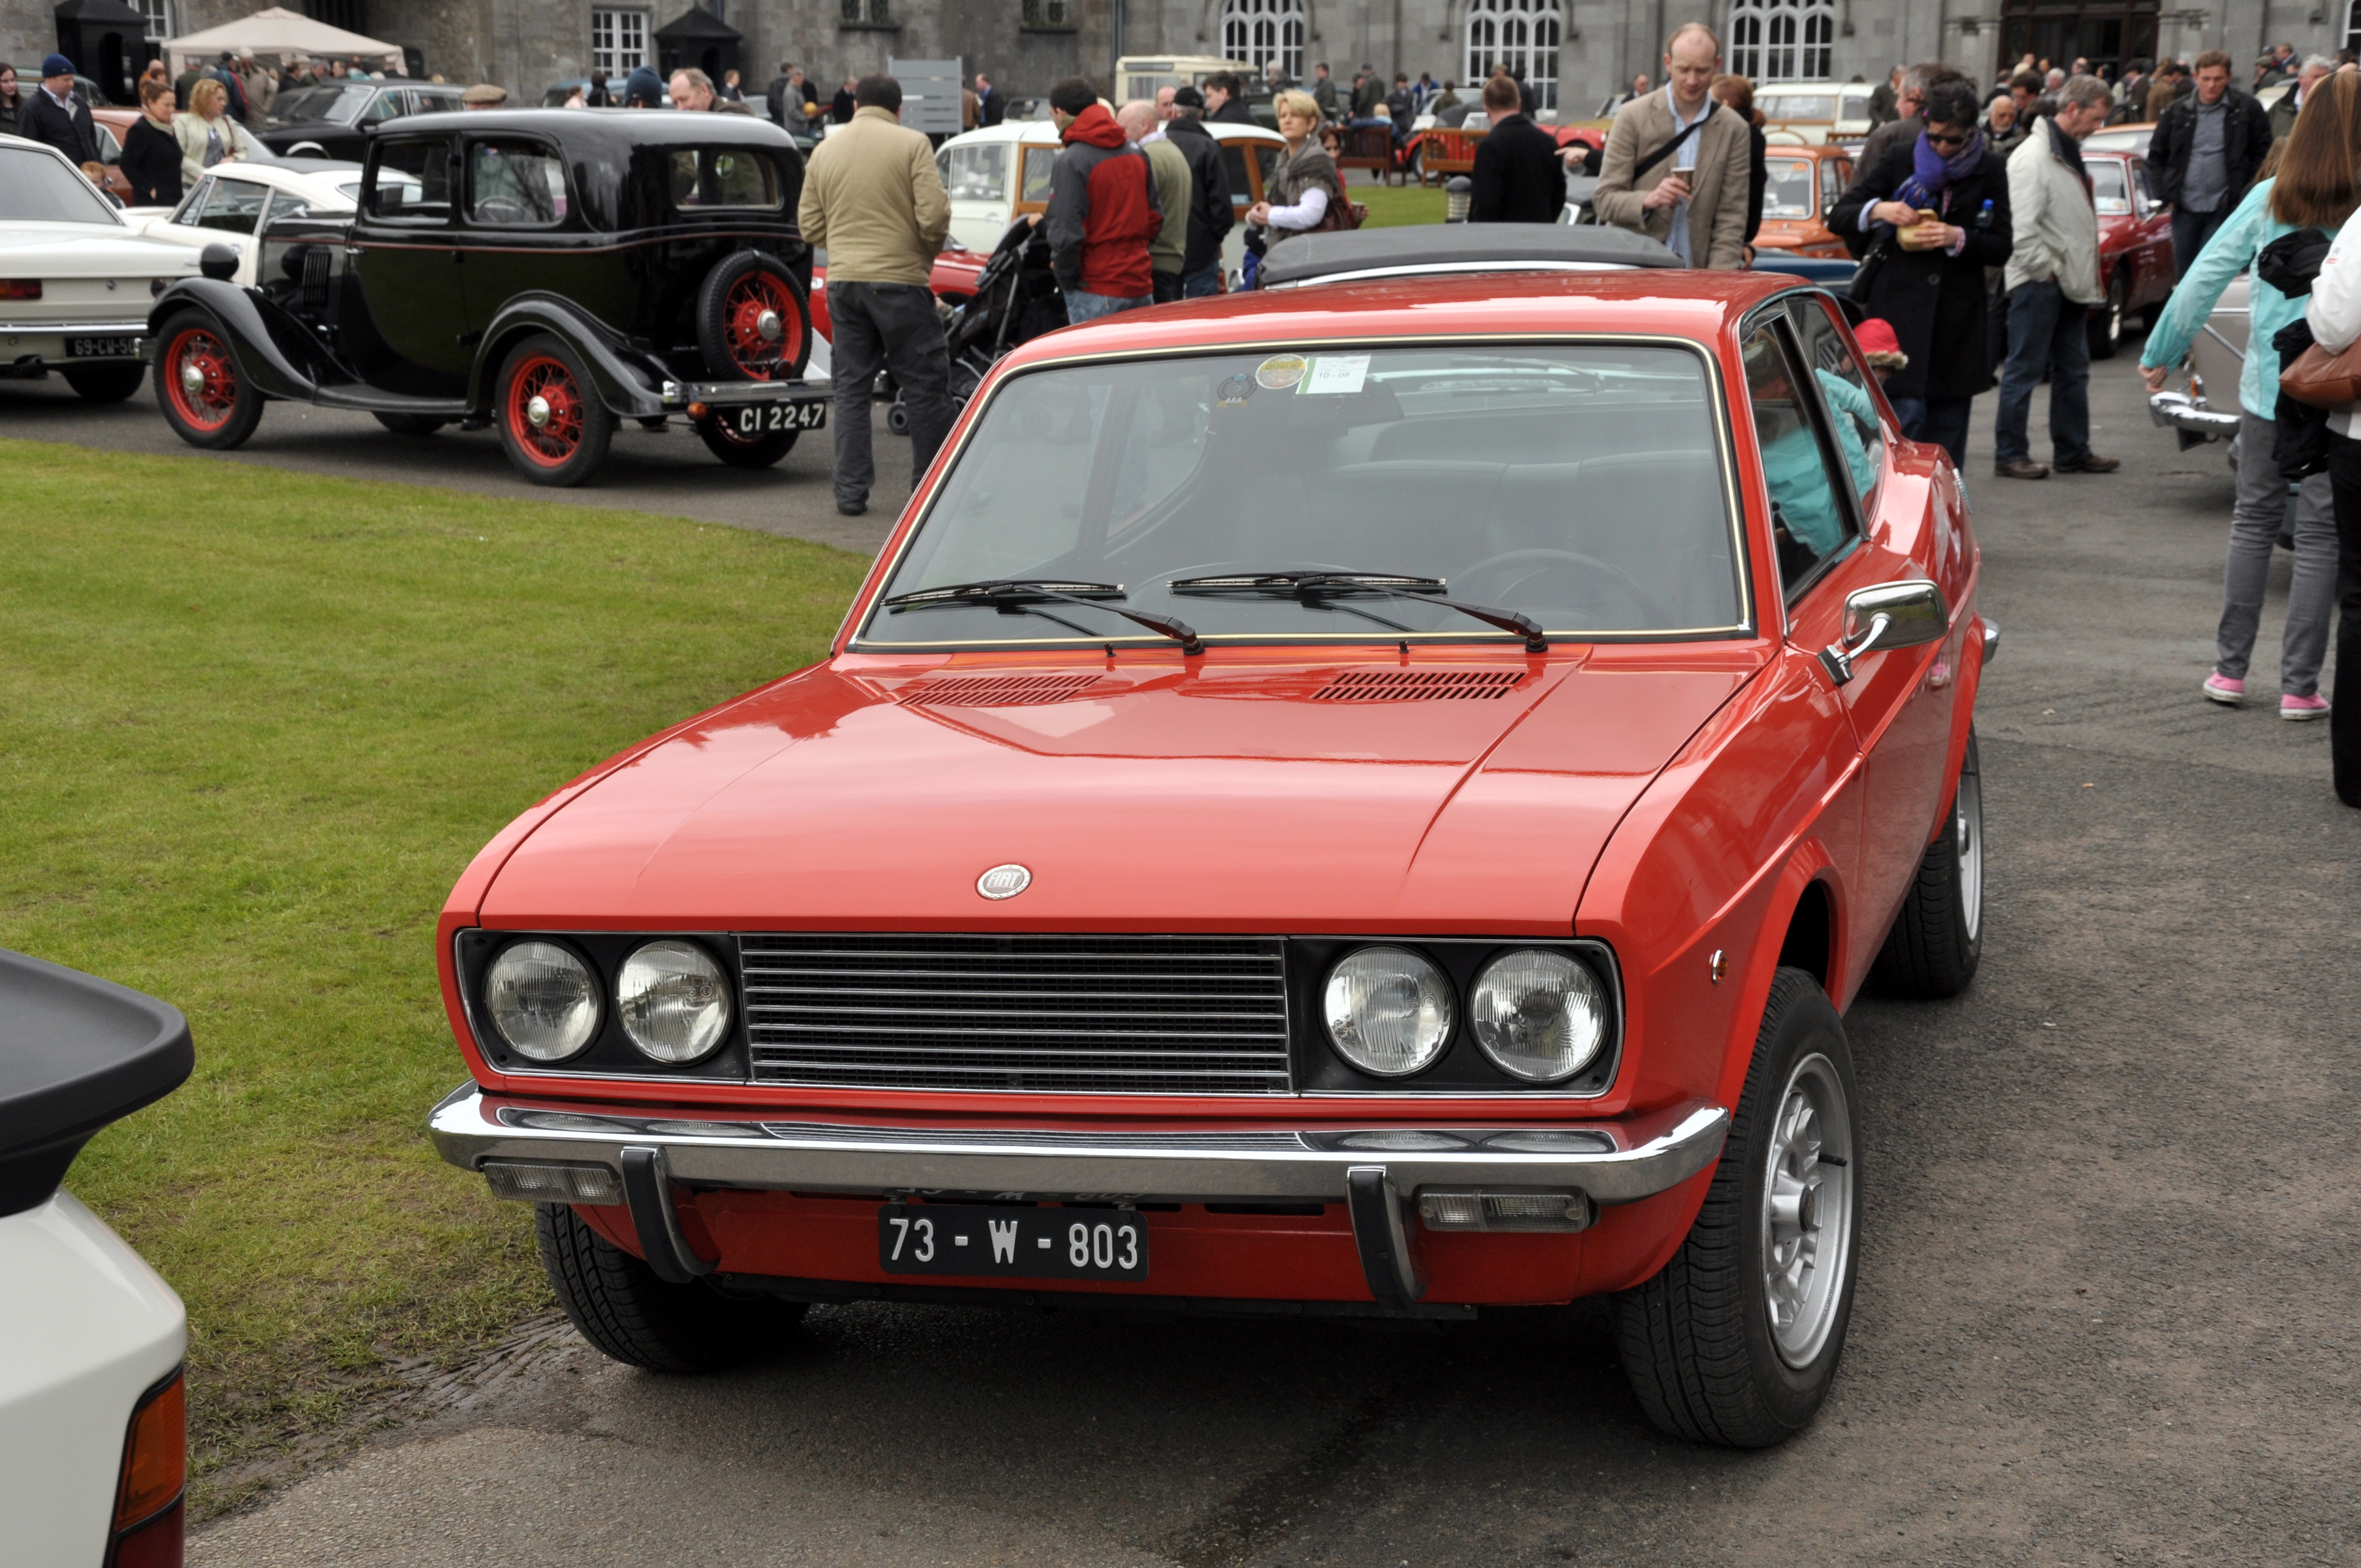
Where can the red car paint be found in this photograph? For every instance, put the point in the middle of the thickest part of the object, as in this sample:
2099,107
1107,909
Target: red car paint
1676,801
952,277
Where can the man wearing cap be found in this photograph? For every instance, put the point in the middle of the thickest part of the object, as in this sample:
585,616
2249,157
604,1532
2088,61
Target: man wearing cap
485,96
1211,215
54,115
261,87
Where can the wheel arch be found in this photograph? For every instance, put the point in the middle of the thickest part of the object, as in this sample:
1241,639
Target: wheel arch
1803,927
630,390
259,361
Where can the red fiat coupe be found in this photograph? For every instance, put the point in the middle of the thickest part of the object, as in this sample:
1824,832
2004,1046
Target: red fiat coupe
1368,797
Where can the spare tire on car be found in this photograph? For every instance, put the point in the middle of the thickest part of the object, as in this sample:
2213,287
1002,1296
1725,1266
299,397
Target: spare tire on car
753,320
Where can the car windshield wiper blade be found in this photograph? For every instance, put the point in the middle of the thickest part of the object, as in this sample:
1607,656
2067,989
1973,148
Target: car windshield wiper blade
1311,587
1019,592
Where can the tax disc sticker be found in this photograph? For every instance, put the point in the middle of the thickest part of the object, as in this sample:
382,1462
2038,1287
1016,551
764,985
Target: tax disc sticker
1341,374
1281,371
1233,392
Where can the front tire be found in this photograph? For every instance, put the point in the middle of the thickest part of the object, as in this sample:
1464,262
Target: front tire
1736,1338
203,397
105,383
1938,938
553,425
2108,321
623,1309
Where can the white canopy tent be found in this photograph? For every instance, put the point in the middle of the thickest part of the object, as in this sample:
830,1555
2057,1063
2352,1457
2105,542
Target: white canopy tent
276,34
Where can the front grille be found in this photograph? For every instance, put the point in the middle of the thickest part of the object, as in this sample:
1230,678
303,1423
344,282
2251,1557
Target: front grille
1072,1014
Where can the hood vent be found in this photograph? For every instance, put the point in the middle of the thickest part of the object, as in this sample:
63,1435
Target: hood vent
997,691
1416,686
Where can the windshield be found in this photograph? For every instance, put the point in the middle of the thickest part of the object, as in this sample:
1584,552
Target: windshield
37,189
342,104
1792,106
2107,193
1580,484
1787,188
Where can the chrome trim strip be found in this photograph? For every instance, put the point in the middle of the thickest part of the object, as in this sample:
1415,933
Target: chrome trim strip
1635,1158
101,329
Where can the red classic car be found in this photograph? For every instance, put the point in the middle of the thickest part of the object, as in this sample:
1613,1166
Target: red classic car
2135,247
1801,185
1367,798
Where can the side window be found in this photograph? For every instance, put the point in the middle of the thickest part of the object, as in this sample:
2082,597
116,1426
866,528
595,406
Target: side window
384,106
233,206
1809,521
515,184
432,104
2143,192
723,177
1038,160
978,172
1233,163
411,181
194,202
287,205
1844,387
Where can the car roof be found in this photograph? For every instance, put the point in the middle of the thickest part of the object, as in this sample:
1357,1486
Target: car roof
620,130
1678,302
1427,249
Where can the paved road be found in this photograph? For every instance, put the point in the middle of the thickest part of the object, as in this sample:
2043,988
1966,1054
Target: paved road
2106,1306
668,472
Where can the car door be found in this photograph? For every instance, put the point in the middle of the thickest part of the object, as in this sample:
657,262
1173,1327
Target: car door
1033,184
521,230
2154,282
404,310
1900,700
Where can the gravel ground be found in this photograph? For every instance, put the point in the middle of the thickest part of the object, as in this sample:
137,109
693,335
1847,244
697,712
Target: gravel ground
2106,1296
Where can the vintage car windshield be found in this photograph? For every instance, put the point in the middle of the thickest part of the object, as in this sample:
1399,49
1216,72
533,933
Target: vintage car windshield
341,105
1581,485
35,188
1790,107
1787,188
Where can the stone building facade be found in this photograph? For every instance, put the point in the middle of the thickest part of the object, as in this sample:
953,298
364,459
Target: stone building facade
1580,51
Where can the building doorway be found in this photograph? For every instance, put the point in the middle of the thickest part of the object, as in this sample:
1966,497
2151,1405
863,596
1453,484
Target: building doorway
2061,32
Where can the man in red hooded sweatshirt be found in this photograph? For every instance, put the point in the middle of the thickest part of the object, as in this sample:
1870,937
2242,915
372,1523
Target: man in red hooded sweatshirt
1102,210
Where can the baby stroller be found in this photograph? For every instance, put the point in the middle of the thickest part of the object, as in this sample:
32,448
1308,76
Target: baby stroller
1016,298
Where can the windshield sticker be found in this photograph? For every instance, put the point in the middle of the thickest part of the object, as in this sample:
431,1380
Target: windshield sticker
1339,374
1233,392
1281,371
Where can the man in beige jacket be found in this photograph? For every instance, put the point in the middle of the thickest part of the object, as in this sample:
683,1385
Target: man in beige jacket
874,202
1679,166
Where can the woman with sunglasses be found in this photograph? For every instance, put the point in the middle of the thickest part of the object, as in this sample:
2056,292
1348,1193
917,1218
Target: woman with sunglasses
1926,219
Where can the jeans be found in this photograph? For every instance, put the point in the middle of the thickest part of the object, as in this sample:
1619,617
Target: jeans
1202,283
2046,330
2344,721
1167,285
1082,307
2189,233
2255,524
893,325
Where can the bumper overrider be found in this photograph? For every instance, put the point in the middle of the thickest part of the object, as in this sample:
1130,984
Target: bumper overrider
637,1154
2192,417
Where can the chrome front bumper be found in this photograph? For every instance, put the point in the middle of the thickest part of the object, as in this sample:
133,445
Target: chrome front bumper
2178,411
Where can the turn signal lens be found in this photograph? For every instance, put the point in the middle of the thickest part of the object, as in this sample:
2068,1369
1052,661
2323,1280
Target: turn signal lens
1389,1011
155,1455
1466,1210
673,1000
542,1001
593,1184
20,288
1538,1016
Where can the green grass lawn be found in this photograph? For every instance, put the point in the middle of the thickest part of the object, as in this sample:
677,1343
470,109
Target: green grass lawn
255,724
1393,205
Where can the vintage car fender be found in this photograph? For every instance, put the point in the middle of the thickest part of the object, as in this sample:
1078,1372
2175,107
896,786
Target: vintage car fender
627,383
261,353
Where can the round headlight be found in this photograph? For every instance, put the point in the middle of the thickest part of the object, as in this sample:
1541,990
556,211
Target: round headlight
674,1001
1539,1016
542,1001
1389,1011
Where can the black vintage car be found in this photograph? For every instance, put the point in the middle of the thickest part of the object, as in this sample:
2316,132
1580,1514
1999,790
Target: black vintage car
548,272
333,119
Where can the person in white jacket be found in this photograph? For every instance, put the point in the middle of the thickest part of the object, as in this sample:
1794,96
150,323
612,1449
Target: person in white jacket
2334,316
2053,282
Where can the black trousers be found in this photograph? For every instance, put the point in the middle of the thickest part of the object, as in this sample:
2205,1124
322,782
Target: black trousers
2345,719
893,326
1168,286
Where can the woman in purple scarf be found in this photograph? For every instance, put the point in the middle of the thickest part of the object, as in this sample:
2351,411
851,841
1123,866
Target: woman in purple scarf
1927,219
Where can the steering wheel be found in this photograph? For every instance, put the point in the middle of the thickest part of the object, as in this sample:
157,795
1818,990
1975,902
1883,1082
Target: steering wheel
506,210
1523,567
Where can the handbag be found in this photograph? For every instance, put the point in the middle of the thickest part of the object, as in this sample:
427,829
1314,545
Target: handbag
1864,277
2323,380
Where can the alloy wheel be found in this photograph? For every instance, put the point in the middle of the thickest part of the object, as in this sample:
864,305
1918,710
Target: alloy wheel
764,328
201,378
1968,826
1808,1208
545,411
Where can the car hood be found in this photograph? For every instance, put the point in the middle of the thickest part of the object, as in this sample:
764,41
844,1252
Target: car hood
1270,797
89,250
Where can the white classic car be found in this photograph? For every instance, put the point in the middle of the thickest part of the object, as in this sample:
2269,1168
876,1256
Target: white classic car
76,278
232,202
94,1422
2209,411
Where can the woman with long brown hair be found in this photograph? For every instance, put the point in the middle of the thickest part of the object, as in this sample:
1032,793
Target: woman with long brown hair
2313,188
1737,92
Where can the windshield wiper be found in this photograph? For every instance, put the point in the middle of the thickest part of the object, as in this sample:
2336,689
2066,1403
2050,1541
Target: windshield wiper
1311,587
1018,593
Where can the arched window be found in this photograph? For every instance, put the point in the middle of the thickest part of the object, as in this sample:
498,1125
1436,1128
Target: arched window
1507,35
1259,31
1783,40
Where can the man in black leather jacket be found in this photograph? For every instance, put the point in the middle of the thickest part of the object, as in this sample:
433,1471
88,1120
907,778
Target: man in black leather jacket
2204,152
1211,215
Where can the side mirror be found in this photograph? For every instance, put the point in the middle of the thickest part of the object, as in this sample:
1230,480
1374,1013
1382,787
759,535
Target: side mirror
1890,615
219,260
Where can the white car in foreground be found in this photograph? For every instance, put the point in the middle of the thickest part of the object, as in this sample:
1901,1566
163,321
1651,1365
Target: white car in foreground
93,1424
232,202
76,278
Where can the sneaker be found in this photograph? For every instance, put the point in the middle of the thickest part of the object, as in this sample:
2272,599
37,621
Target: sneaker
2300,709
2021,468
2089,463
853,509
2224,690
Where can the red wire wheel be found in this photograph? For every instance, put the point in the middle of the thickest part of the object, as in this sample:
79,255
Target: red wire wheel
544,410
753,320
201,378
